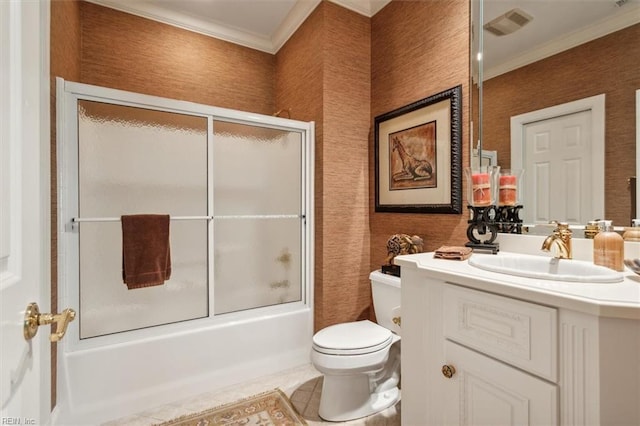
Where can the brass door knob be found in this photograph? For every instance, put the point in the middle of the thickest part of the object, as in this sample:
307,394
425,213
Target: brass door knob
33,319
448,371
397,321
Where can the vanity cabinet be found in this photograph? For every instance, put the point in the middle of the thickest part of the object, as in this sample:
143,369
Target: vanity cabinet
518,356
479,327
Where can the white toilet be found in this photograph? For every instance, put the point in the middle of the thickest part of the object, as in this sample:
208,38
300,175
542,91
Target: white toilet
361,360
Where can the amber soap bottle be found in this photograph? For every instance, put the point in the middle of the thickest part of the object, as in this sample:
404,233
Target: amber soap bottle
608,247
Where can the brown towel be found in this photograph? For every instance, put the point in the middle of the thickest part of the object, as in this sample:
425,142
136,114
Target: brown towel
453,253
146,257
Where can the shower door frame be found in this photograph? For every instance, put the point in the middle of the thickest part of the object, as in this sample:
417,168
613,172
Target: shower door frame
68,95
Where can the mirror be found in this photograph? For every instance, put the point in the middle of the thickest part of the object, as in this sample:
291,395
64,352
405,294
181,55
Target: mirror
558,53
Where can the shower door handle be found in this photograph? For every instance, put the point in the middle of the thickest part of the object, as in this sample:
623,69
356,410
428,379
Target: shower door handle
34,319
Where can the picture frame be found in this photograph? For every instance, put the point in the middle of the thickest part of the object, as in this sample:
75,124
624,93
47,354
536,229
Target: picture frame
418,156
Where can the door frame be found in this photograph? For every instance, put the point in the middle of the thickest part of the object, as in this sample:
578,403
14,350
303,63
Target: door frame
595,104
26,220
637,153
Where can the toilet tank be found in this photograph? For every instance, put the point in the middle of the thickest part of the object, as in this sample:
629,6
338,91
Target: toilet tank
386,299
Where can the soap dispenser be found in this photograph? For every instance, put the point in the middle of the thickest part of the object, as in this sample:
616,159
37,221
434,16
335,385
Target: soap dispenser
608,247
632,233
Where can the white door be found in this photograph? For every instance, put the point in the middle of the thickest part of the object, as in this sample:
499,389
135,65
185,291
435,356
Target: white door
561,149
557,160
25,371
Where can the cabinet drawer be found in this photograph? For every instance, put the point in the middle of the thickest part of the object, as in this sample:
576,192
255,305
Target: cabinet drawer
520,333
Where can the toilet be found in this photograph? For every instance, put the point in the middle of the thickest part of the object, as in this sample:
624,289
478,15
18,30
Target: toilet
361,360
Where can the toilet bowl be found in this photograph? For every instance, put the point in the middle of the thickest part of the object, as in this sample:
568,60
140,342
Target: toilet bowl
360,360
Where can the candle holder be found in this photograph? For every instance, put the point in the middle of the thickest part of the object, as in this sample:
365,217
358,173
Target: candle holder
481,184
483,223
509,187
508,219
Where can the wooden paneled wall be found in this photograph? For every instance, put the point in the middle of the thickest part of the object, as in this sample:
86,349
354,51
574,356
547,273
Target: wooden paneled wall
607,65
418,49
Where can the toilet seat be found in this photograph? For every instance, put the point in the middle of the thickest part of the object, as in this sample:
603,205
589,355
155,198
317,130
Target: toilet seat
353,338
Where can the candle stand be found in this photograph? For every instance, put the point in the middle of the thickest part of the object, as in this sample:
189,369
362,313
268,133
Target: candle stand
483,223
508,219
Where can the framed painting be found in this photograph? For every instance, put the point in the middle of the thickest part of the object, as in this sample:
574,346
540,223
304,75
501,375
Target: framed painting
418,156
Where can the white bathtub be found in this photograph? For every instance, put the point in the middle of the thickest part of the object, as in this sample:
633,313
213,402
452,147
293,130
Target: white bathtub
118,379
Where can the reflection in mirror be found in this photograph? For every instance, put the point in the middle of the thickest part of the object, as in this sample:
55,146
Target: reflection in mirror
540,55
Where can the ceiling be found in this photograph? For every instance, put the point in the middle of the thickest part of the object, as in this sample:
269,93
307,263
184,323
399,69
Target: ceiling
259,24
557,25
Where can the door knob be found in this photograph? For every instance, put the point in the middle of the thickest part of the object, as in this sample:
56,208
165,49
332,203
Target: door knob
448,371
34,319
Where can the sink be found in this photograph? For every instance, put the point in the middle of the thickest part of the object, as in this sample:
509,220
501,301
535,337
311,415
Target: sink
545,268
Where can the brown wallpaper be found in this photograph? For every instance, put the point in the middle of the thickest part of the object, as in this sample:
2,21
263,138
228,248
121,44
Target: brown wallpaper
607,65
322,74
345,224
418,49
299,87
65,63
127,52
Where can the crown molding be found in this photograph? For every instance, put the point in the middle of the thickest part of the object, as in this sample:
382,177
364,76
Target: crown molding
219,30
179,20
298,14
363,7
566,42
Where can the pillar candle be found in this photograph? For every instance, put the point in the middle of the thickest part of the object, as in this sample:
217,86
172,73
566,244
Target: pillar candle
507,194
481,189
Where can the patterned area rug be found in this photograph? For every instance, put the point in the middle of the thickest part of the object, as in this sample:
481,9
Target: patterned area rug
271,408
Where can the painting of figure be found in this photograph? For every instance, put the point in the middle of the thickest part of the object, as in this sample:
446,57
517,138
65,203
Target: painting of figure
412,158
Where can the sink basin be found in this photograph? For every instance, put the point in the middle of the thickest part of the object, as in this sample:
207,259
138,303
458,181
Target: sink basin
545,268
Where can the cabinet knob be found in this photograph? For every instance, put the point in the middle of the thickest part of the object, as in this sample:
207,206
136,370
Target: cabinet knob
448,371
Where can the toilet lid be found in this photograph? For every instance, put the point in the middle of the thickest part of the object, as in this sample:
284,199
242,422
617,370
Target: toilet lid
352,338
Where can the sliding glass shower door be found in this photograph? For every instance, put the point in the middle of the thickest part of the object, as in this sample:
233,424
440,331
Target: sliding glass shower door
258,216
235,185
135,160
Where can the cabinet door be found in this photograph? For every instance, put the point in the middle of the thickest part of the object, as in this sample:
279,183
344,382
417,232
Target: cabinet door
484,391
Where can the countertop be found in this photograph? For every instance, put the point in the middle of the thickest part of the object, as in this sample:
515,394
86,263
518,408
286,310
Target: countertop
617,300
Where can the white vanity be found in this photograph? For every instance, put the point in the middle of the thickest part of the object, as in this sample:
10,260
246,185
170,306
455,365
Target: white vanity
487,348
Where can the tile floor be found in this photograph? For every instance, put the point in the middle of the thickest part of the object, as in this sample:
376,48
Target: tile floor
302,385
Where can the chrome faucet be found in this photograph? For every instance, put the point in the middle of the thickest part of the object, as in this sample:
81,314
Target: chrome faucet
561,238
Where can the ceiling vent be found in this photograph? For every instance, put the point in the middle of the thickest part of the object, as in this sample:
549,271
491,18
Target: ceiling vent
509,22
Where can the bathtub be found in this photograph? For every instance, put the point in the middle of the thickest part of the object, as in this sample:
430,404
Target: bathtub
172,363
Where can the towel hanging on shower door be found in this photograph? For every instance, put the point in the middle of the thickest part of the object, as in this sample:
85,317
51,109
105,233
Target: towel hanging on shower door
146,255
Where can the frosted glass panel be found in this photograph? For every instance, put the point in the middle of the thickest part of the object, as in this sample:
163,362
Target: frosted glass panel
257,176
133,160
257,263
256,170
108,306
